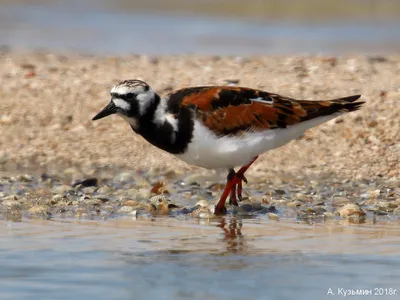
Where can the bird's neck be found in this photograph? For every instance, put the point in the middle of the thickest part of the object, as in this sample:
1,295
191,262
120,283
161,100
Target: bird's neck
164,129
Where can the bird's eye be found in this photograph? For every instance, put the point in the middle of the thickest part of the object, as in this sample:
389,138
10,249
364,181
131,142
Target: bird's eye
130,96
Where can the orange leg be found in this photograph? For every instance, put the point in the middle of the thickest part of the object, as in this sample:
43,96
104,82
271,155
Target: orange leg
232,197
239,187
233,180
236,189
241,178
230,181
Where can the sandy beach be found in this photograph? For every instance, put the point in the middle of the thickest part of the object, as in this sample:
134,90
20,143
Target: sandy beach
48,100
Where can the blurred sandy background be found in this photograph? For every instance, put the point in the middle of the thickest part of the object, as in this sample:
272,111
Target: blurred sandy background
59,60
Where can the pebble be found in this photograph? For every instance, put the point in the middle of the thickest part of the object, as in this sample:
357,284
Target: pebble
103,198
295,203
202,213
125,209
351,209
130,203
340,201
278,202
125,177
89,190
39,210
11,205
159,199
387,205
315,202
329,215
104,190
58,197
232,81
61,189
10,197
374,194
139,195
273,216
24,178
86,182
95,202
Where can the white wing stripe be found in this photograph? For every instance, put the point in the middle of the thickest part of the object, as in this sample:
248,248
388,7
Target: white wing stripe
262,100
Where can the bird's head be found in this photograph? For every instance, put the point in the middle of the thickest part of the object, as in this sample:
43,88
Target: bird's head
130,99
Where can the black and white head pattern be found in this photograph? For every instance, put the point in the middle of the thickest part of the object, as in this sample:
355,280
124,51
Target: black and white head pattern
132,97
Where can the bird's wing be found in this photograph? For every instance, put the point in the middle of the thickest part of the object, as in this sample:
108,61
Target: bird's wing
231,110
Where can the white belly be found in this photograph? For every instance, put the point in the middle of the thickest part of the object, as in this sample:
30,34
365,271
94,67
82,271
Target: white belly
209,151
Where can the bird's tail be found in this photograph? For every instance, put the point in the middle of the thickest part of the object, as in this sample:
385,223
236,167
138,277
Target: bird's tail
316,109
347,104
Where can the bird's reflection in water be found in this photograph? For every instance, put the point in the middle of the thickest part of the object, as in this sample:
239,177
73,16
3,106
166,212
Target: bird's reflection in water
232,234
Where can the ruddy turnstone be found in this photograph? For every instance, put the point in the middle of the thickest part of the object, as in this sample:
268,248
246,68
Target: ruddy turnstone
219,126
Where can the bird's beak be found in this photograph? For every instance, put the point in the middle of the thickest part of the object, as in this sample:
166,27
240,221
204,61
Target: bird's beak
108,110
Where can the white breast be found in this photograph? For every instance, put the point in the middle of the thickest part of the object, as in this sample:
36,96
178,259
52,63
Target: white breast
209,151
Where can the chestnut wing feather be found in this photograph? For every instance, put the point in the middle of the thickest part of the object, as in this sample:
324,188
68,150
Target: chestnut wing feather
231,110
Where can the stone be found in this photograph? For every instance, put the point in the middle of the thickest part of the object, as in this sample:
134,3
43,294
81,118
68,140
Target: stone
351,209
125,210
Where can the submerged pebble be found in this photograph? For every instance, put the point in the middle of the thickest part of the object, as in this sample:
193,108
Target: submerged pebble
10,205
351,209
39,211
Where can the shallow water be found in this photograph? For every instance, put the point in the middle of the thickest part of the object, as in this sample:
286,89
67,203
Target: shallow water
227,258
92,28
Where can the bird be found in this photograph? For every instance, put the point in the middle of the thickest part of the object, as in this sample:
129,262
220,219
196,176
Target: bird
219,127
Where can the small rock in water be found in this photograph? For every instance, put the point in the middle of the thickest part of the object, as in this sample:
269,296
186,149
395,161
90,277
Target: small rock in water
125,209
10,205
387,205
39,211
340,201
351,209
273,216
202,213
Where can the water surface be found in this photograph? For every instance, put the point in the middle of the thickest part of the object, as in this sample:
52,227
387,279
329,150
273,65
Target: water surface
163,258
94,29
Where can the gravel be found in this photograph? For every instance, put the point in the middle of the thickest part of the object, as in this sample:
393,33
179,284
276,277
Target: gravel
305,201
